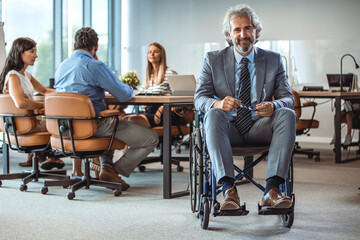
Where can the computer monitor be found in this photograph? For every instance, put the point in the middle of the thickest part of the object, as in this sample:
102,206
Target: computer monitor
334,81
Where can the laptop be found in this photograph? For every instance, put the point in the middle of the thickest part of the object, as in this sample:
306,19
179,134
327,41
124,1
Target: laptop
334,82
182,85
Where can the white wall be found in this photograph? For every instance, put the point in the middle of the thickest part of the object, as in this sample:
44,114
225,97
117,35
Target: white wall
321,31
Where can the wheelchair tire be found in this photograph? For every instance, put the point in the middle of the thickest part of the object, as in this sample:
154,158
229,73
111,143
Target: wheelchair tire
192,175
287,220
204,213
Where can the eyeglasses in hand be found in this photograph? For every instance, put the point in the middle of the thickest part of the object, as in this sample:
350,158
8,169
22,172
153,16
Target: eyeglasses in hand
254,108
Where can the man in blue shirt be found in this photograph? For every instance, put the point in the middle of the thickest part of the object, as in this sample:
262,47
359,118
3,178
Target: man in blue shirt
82,73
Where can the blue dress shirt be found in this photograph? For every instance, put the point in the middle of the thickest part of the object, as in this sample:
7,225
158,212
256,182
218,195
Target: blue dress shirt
81,73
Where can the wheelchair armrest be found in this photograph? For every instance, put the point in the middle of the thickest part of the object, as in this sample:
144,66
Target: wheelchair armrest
110,113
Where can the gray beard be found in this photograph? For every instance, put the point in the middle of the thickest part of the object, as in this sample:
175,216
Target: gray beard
243,50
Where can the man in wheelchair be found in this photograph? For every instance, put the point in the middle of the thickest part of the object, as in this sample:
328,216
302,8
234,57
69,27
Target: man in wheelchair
245,96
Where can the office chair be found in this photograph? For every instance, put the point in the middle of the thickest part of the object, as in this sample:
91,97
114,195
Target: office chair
178,132
303,126
18,125
72,123
203,187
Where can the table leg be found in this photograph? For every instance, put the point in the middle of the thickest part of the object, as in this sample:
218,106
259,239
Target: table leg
167,141
167,181
337,130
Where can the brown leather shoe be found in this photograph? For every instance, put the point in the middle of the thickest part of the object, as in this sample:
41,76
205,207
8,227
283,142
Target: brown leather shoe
51,163
231,200
107,173
275,199
28,163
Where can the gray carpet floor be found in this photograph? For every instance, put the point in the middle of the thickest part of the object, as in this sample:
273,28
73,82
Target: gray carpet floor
327,207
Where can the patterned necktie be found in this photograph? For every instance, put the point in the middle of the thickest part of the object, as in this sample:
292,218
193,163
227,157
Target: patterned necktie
243,115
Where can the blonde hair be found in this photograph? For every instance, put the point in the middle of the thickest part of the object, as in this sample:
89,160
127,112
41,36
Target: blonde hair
162,68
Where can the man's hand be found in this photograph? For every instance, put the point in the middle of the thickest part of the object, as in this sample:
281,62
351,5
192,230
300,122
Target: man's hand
228,104
266,109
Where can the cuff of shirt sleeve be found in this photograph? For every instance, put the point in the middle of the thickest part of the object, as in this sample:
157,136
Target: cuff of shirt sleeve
276,105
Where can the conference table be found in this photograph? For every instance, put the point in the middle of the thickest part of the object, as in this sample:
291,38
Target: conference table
338,96
167,102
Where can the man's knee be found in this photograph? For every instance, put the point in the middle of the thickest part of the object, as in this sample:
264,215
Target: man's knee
215,115
286,115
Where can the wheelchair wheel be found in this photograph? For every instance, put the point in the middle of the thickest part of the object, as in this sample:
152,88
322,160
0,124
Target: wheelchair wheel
195,190
192,175
287,220
204,213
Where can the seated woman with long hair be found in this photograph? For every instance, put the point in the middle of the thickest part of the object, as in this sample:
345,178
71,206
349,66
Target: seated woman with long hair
21,86
155,78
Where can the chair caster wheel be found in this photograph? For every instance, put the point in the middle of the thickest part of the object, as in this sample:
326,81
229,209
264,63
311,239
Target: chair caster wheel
71,195
44,190
179,168
66,186
310,156
117,192
23,187
142,168
317,159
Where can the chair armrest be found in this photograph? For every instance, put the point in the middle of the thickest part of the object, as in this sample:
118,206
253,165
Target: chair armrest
110,113
309,104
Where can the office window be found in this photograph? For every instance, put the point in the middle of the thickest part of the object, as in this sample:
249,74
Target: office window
31,19
72,21
99,17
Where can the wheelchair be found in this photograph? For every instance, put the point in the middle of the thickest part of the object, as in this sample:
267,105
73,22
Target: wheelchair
203,188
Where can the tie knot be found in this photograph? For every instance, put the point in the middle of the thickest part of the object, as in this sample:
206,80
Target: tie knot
245,60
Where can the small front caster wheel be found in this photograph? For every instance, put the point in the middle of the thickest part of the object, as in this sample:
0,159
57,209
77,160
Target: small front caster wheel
44,190
23,187
142,168
117,192
71,195
179,168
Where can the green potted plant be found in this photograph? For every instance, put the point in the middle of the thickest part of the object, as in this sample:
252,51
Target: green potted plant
130,78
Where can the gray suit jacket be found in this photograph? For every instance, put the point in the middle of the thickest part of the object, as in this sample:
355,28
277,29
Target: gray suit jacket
218,78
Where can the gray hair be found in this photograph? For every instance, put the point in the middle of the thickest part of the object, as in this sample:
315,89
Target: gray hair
241,10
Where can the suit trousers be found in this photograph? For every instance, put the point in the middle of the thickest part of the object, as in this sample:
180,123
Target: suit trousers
279,131
140,140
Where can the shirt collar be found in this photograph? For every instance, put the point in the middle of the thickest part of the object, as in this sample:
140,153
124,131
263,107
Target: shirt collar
79,52
238,57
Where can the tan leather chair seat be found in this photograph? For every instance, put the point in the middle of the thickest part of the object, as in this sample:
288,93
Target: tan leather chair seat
84,145
33,139
174,130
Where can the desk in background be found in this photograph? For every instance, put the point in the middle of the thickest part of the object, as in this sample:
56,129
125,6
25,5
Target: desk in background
167,102
338,96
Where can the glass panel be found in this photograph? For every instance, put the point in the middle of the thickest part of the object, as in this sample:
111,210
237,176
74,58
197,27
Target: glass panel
100,25
34,19
72,21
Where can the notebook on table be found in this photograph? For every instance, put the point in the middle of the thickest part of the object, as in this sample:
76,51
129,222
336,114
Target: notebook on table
334,82
182,85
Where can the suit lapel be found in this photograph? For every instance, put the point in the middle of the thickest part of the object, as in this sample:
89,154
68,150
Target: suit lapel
260,64
229,69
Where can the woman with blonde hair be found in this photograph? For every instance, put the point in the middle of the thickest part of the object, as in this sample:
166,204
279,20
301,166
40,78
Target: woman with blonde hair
155,80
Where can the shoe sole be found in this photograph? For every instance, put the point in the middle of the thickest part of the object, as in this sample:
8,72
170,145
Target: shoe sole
282,204
229,206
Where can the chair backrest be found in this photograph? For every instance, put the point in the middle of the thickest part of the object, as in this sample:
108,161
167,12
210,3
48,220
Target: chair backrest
297,107
71,105
23,124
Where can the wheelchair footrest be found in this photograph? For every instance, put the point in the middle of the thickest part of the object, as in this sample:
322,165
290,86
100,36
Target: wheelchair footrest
274,211
239,212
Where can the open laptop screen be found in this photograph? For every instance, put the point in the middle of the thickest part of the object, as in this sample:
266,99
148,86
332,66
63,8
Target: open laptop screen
334,81
182,85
